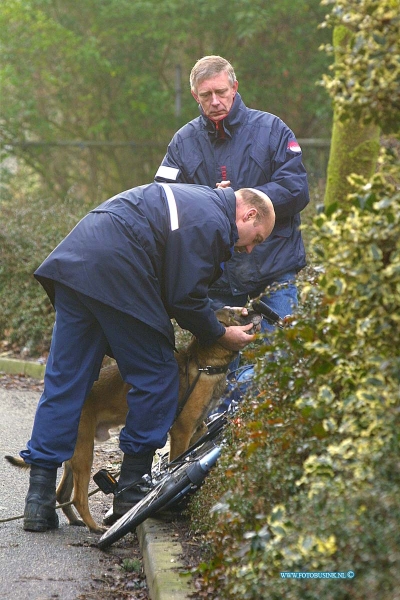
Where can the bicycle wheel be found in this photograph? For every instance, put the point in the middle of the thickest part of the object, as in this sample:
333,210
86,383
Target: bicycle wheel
174,485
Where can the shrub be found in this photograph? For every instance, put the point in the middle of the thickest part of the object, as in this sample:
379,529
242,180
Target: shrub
310,481
33,224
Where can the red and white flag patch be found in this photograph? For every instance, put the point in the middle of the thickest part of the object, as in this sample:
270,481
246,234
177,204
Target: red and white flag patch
294,146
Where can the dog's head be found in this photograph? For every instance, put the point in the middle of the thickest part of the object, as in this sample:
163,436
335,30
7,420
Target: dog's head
228,317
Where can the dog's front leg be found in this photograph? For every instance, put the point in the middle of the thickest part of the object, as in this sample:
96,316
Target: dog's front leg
179,439
189,419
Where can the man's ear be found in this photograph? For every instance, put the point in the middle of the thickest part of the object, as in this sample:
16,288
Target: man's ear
195,96
250,214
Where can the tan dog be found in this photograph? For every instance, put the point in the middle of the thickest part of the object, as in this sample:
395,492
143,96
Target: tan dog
202,368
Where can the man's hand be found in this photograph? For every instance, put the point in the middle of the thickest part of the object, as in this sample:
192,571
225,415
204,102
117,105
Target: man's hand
239,310
223,184
236,338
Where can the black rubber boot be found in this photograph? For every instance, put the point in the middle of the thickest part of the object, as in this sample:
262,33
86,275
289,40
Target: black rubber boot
40,503
133,467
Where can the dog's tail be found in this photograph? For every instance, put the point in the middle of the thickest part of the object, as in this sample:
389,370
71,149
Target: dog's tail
17,462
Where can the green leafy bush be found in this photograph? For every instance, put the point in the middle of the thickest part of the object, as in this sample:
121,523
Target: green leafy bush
365,80
32,225
310,481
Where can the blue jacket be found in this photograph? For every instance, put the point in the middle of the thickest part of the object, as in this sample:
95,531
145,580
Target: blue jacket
257,150
136,255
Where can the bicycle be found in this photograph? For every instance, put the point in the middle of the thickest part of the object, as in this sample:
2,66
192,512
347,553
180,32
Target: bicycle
171,482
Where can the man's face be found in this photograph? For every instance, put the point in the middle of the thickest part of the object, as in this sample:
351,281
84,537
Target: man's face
251,233
215,95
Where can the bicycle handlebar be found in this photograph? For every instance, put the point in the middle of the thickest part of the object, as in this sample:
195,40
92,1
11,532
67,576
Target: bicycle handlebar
263,309
198,470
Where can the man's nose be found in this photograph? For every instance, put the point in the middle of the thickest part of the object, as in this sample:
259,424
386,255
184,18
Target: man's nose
214,99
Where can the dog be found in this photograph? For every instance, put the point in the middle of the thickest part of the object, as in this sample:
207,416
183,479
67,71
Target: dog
202,380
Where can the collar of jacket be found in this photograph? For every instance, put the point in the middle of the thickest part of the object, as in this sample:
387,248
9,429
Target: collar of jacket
234,118
227,195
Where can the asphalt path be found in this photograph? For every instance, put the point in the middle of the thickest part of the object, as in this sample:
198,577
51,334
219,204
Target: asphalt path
38,566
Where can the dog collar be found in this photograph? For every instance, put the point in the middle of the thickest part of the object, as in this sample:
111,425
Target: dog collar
208,370
214,370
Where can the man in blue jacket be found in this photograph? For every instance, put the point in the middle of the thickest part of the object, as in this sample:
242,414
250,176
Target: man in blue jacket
139,259
232,145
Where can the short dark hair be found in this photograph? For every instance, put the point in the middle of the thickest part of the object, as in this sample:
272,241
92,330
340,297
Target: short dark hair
209,66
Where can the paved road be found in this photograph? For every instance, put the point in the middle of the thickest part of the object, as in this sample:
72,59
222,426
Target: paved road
46,566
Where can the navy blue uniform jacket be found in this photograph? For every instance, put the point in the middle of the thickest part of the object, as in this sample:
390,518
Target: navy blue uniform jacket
255,150
126,254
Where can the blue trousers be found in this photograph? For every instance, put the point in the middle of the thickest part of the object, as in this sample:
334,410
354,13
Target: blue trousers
83,332
282,300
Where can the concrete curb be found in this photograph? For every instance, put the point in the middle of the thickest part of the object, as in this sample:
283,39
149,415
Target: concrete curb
161,553
13,366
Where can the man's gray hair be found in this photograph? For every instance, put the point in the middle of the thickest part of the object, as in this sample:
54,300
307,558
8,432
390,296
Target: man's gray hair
208,67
